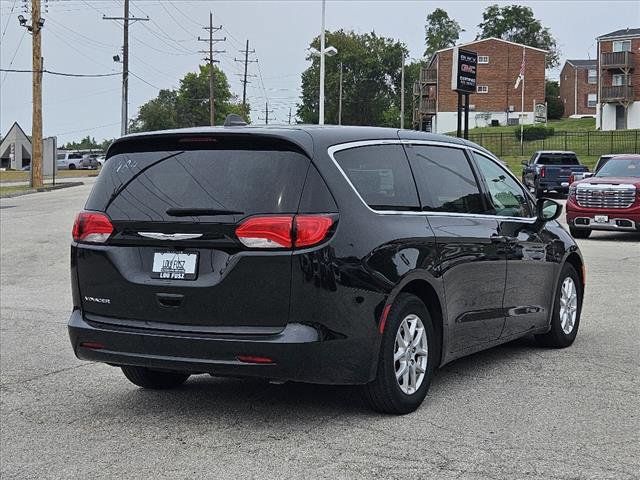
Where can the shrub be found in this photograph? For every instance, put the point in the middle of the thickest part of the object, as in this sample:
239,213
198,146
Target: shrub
533,132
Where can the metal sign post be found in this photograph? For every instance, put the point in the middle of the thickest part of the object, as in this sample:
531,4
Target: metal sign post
463,81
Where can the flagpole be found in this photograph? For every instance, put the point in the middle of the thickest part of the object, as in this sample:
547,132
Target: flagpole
522,106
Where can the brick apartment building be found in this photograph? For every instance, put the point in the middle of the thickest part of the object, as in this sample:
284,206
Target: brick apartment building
496,99
619,80
579,88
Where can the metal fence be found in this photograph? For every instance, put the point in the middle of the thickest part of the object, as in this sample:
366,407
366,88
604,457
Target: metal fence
583,143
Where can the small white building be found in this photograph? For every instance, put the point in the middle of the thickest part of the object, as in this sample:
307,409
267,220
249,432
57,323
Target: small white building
15,151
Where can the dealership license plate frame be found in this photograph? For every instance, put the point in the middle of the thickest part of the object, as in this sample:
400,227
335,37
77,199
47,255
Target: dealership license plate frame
175,271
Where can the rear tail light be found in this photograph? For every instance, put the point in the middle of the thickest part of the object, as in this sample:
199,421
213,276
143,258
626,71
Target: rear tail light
266,232
284,231
254,359
92,227
543,172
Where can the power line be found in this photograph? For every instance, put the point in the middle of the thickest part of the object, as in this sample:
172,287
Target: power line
62,74
246,52
14,54
6,25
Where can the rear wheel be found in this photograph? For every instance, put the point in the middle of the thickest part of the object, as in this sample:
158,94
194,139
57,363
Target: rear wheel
580,232
154,379
72,166
566,312
408,358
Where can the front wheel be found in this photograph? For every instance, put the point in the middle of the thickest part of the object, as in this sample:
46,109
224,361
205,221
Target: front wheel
566,311
408,358
154,379
580,232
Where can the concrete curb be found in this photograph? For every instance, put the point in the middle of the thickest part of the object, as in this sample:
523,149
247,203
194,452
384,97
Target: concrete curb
46,188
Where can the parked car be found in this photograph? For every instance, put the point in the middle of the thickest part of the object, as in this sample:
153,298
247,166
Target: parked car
100,160
610,200
314,254
69,160
550,170
89,160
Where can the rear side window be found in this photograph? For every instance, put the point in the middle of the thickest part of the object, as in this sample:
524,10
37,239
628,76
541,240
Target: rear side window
143,186
557,159
445,180
381,175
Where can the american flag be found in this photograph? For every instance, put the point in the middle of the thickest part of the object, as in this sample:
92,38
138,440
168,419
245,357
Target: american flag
521,74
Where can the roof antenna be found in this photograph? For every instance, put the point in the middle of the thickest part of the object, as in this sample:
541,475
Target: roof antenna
234,120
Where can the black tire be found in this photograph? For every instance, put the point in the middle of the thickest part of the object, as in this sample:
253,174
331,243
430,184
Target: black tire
384,394
556,337
580,232
72,166
154,379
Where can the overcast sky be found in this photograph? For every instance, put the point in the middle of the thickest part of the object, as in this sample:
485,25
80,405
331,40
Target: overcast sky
76,39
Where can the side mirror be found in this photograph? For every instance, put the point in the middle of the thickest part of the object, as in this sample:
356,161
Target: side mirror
525,162
548,209
587,175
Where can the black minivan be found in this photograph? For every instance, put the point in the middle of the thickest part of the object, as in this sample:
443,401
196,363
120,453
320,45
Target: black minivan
335,255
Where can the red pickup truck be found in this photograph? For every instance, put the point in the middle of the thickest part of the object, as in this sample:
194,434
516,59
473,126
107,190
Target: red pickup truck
609,200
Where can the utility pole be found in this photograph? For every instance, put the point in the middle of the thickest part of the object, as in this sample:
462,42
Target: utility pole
289,115
340,98
266,112
124,115
212,41
402,94
36,127
322,53
246,62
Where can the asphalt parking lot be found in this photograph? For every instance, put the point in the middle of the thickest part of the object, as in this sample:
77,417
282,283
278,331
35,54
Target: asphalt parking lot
516,411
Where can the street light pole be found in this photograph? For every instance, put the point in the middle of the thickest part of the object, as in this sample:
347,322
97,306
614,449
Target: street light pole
322,52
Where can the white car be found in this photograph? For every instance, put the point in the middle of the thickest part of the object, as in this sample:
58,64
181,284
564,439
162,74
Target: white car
69,160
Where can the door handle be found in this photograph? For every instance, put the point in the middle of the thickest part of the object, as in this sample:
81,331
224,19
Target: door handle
169,300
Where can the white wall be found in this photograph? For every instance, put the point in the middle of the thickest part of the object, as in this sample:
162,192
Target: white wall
445,122
608,113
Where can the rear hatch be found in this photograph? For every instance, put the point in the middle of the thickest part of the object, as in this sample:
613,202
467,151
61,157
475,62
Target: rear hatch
174,257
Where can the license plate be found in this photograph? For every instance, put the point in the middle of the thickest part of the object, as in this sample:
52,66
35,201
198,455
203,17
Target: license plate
175,265
601,219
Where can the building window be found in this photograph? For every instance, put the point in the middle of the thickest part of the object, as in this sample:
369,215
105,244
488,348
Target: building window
622,46
592,76
592,99
618,79
482,89
483,59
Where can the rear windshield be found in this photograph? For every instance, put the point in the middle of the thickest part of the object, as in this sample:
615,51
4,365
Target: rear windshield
557,159
620,167
143,186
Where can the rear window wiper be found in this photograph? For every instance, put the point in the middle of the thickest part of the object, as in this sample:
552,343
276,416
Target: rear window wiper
196,212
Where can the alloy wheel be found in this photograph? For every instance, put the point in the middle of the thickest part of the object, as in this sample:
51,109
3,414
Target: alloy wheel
568,305
410,354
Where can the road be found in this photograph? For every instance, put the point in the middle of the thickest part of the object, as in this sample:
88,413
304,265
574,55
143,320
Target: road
516,411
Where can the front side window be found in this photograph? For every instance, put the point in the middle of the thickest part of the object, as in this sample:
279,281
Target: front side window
505,194
445,180
381,175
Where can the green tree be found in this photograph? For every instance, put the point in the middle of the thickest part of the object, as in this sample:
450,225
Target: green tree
371,80
555,107
440,31
516,23
188,106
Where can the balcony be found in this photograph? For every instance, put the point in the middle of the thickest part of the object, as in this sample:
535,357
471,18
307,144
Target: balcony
429,75
622,60
620,93
427,106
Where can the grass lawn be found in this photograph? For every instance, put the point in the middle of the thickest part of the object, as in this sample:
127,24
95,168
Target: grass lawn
13,189
20,176
562,125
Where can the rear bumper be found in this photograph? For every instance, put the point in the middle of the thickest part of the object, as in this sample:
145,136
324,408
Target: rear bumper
299,352
557,185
